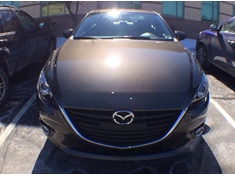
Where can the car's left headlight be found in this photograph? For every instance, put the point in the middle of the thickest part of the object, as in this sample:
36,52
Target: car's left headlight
44,91
202,90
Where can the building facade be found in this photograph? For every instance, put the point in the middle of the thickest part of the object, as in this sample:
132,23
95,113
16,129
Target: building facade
188,16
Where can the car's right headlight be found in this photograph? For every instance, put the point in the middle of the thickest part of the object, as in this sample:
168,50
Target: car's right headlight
44,91
202,90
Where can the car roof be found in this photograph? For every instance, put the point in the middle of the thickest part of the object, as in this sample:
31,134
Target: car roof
228,19
123,10
231,18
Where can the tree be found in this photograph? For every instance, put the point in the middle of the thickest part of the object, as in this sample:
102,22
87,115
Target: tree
73,12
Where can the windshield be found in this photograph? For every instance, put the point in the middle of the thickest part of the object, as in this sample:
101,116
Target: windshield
116,24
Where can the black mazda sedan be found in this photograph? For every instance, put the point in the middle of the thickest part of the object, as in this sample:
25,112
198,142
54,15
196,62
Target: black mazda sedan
122,87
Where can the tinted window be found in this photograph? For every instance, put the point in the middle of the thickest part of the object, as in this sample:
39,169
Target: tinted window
54,8
233,10
173,8
129,4
14,3
27,22
229,27
8,21
210,11
115,24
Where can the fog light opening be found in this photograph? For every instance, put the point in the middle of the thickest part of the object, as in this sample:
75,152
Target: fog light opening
45,130
199,131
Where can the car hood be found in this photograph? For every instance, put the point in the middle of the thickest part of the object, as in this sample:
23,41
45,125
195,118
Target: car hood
122,67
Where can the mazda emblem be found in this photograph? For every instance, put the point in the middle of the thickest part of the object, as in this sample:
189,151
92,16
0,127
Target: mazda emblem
123,117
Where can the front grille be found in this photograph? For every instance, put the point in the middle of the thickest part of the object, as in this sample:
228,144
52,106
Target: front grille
98,126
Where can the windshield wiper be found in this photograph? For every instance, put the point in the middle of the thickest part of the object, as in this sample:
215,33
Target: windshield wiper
139,37
84,37
128,37
115,37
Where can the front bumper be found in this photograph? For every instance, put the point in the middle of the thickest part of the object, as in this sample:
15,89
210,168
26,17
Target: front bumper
62,135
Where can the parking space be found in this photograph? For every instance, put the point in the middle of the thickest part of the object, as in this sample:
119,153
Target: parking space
26,150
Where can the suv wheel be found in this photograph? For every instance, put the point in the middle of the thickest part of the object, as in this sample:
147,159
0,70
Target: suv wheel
201,56
4,86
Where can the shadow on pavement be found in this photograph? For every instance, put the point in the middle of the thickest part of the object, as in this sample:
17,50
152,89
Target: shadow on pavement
222,76
22,87
52,160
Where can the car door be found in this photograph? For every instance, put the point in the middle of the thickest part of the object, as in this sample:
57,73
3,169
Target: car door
13,41
36,41
223,46
228,32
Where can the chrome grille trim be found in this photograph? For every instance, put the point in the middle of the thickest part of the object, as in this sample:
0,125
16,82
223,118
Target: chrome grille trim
126,147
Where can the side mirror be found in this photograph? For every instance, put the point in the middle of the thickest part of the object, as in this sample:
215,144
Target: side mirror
41,25
67,33
214,27
180,35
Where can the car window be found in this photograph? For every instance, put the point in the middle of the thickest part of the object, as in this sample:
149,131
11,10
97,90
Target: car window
8,21
131,24
27,22
229,27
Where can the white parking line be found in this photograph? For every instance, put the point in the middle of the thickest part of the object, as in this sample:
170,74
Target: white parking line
13,123
223,112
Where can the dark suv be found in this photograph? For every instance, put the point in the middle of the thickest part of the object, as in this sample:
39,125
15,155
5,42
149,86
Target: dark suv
22,41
